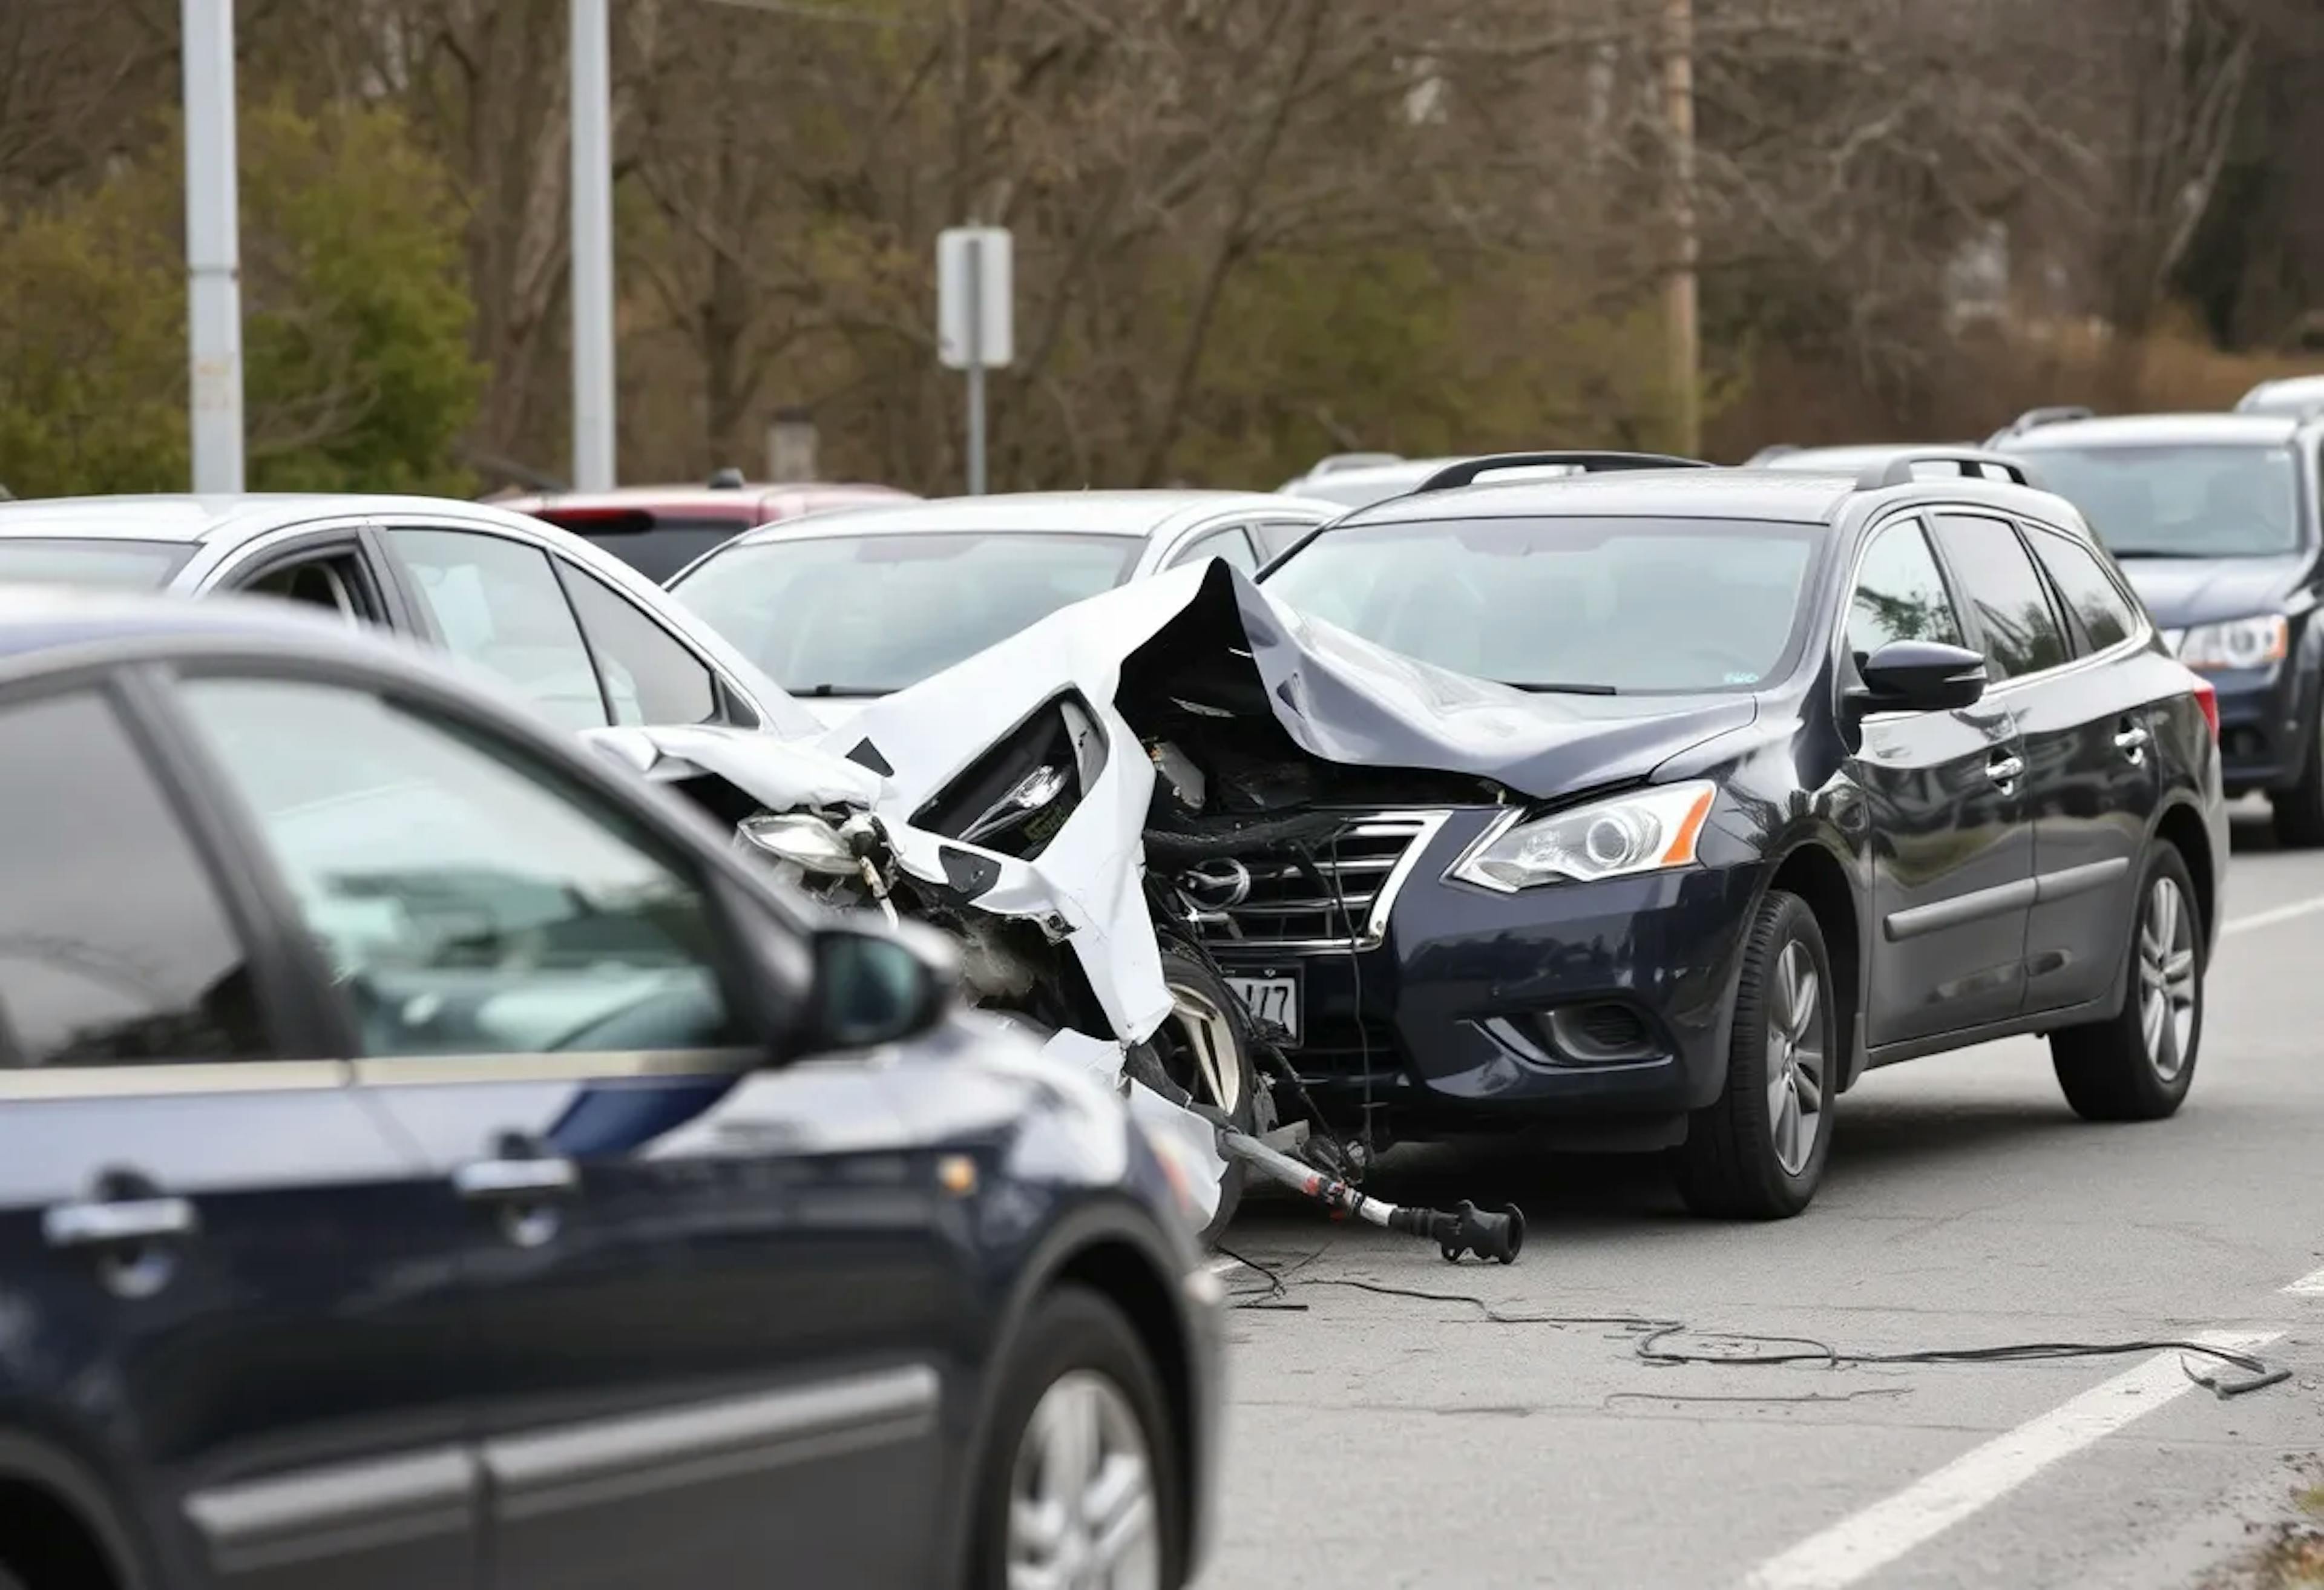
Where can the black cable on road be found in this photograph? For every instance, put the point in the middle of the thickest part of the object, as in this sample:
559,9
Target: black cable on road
1766,1352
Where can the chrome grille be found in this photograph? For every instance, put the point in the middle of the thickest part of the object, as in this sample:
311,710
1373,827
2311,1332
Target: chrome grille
1338,900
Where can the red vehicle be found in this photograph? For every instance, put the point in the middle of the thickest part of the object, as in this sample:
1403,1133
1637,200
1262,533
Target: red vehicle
659,530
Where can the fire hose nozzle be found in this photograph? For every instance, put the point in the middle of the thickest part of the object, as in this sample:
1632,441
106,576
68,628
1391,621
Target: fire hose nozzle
1471,1230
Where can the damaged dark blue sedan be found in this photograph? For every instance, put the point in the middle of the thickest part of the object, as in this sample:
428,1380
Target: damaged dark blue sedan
1810,774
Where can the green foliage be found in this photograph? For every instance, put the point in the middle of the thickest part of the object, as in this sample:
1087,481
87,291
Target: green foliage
356,369
1393,349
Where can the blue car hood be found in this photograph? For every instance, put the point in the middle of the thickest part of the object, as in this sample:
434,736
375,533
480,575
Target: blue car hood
2182,591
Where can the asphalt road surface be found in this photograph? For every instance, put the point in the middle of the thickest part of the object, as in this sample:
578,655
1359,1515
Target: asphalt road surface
1378,1442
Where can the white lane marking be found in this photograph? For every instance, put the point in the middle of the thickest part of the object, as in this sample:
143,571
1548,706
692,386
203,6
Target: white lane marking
2270,918
2308,1286
1857,1547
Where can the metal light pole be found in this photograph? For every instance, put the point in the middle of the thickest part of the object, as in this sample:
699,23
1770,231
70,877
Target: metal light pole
213,246
593,247
1681,313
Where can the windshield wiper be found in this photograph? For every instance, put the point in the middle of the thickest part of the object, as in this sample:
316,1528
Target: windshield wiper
1537,687
826,692
2161,552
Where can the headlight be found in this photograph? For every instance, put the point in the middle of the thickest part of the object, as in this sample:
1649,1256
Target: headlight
1641,833
2240,642
804,840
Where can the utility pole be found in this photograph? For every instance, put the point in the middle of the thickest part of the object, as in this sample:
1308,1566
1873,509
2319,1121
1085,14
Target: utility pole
1682,321
213,246
593,247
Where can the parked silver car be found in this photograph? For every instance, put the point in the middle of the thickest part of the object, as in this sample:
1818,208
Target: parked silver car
859,602
589,640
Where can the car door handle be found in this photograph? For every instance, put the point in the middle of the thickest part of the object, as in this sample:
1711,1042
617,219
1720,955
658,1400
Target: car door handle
118,1223
2005,770
492,1181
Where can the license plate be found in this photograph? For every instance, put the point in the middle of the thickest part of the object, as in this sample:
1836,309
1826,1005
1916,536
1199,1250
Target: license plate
1271,999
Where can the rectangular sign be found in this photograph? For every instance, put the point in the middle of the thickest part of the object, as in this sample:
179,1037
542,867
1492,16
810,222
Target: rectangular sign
974,324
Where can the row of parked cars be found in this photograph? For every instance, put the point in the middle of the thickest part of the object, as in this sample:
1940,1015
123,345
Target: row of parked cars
427,1155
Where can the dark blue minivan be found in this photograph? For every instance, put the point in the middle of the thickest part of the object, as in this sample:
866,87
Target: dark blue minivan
426,1157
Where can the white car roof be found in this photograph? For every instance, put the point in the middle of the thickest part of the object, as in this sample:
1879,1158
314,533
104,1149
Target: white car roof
198,520
1131,515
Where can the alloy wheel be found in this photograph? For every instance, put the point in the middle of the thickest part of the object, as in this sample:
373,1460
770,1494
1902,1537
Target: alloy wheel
2167,988
1202,1056
1082,1508
1797,1069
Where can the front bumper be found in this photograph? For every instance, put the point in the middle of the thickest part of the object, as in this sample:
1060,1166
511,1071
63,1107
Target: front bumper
2266,726
1450,1021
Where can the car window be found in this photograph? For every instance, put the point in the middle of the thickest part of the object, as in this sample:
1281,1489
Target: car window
865,613
498,603
2013,616
657,545
1899,594
2236,501
115,947
650,677
94,560
1620,604
465,901
1279,536
1229,544
333,581
2107,615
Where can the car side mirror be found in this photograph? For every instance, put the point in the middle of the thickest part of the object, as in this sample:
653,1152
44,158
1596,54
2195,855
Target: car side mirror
1919,676
873,985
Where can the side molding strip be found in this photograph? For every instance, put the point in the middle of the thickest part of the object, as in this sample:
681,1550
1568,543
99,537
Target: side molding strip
331,1512
1960,910
609,1460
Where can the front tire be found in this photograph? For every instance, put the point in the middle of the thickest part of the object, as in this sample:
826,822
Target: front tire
1205,1048
1758,1151
1083,1473
2138,1065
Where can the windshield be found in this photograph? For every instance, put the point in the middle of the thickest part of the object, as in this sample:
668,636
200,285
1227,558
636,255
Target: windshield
864,614
123,565
2190,501
1630,604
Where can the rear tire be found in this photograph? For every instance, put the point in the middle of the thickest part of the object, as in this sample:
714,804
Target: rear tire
1076,1345
2138,1065
1758,1151
1205,1048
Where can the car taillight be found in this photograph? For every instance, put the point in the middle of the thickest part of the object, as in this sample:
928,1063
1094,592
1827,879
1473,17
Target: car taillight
2207,696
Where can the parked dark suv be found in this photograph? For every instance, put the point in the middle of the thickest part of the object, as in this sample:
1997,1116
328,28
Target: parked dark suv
1845,770
427,1158
2215,518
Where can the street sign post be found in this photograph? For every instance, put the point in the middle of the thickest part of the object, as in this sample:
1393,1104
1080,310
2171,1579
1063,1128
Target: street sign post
975,330
213,247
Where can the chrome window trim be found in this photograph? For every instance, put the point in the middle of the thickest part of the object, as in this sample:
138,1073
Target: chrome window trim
175,1078
451,1070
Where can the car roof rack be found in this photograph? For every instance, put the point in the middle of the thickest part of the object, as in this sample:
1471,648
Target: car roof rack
1465,472
2034,418
1969,462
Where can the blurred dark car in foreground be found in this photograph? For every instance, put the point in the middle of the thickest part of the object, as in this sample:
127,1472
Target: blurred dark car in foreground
659,530
428,1158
